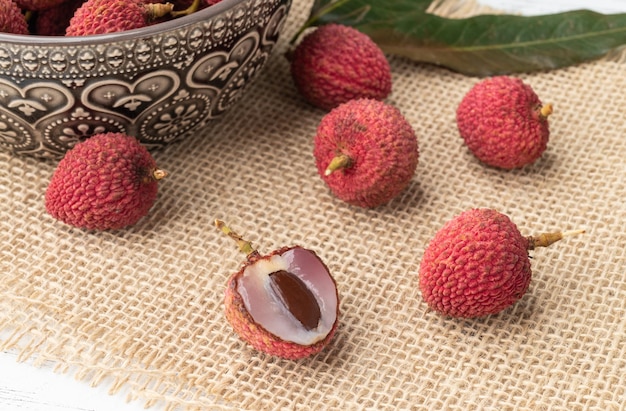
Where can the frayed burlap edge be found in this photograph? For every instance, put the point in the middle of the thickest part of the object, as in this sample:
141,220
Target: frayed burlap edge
88,364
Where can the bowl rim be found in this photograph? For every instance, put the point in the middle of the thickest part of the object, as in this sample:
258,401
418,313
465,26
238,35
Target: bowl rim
94,39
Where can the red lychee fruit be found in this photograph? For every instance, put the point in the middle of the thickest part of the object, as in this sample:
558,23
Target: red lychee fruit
478,264
111,16
106,182
11,18
366,152
503,122
285,303
336,63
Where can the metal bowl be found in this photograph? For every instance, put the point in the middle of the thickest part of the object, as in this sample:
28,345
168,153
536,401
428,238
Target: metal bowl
159,83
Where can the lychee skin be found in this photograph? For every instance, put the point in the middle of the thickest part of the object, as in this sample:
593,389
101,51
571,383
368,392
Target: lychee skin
257,336
502,122
109,16
336,63
106,182
382,148
476,265
11,18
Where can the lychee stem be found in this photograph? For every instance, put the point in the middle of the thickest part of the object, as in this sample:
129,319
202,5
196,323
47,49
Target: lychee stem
546,239
159,174
340,161
244,245
154,11
189,10
546,110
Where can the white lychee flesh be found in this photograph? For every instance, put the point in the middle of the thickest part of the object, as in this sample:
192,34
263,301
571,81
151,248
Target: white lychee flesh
266,307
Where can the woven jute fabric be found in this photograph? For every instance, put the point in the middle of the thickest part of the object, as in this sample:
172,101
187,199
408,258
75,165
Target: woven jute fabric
141,309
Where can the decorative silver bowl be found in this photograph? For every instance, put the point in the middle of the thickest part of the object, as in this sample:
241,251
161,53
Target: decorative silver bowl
159,83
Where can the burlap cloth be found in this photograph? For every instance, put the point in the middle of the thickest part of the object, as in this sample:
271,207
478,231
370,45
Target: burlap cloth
140,309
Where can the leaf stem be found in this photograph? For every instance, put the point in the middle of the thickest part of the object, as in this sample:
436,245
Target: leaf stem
315,17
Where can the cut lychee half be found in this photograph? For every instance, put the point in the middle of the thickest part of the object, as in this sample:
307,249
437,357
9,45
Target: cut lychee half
285,303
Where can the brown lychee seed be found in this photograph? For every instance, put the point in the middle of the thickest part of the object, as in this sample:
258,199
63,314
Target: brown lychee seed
11,18
477,264
111,16
107,182
366,152
334,64
285,303
503,122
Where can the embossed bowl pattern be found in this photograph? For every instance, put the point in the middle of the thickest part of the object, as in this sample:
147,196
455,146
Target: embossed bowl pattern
159,83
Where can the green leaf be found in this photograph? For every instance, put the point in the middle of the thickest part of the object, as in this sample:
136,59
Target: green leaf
480,45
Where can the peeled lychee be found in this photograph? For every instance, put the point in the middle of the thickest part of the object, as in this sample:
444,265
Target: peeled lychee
285,303
110,16
478,264
11,18
336,63
503,122
107,182
366,152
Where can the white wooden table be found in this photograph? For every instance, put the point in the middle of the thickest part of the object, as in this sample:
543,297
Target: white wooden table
24,387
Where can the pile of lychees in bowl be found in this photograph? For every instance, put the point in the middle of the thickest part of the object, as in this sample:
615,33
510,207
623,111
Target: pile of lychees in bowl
89,17
157,70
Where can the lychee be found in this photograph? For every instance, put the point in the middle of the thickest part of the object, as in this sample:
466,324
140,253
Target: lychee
11,18
110,16
334,64
106,182
285,303
503,122
478,264
366,152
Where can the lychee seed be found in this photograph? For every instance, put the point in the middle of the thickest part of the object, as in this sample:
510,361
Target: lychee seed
503,122
107,182
366,152
334,64
284,304
477,264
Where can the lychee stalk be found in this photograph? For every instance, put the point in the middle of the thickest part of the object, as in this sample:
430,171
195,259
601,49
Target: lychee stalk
189,10
159,174
547,239
156,174
154,11
339,162
245,246
546,110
